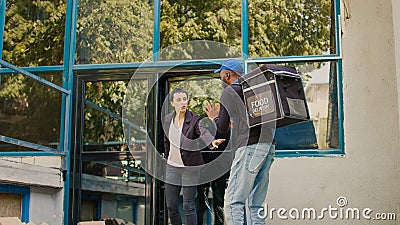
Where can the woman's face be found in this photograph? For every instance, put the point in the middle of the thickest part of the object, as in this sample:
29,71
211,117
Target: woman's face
180,102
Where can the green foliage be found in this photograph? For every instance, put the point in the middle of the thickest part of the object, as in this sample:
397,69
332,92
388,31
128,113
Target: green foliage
33,35
183,20
200,91
29,110
34,32
196,105
285,28
108,31
276,27
99,126
114,31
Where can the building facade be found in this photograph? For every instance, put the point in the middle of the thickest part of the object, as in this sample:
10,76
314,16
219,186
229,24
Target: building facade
87,171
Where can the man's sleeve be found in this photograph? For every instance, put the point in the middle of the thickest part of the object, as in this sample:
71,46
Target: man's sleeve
223,119
204,134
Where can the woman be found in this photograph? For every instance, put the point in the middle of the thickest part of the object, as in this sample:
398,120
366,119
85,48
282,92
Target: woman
182,128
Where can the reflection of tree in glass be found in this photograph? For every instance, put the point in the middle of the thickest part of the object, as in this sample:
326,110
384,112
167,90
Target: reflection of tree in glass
33,35
276,27
199,91
99,126
286,28
135,111
199,49
114,31
29,110
34,32
183,21
121,31
196,105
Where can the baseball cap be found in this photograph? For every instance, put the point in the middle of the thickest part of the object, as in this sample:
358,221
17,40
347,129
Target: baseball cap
231,64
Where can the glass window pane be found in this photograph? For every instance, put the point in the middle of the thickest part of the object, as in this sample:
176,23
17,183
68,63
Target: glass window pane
114,31
29,110
106,151
183,21
102,109
89,210
140,218
321,94
124,169
322,131
288,28
34,32
125,210
103,112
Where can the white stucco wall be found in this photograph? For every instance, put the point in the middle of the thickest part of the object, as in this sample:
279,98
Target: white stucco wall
369,174
396,26
13,170
42,175
46,205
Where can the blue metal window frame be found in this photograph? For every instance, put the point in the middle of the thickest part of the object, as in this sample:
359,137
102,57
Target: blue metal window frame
2,23
26,195
69,67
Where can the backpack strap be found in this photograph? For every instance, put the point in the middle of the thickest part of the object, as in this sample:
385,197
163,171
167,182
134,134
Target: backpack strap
240,80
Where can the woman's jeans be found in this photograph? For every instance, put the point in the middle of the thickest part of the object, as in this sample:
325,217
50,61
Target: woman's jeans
176,178
248,180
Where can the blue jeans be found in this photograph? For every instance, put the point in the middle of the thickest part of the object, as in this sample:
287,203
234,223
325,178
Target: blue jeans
177,177
248,180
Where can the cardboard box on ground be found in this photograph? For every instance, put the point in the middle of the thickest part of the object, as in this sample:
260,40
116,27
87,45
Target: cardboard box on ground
108,221
15,221
92,223
115,221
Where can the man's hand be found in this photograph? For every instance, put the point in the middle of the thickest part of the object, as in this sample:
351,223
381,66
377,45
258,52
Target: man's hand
212,110
217,142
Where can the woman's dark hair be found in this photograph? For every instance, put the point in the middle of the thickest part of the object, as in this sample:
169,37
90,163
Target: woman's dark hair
176,90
